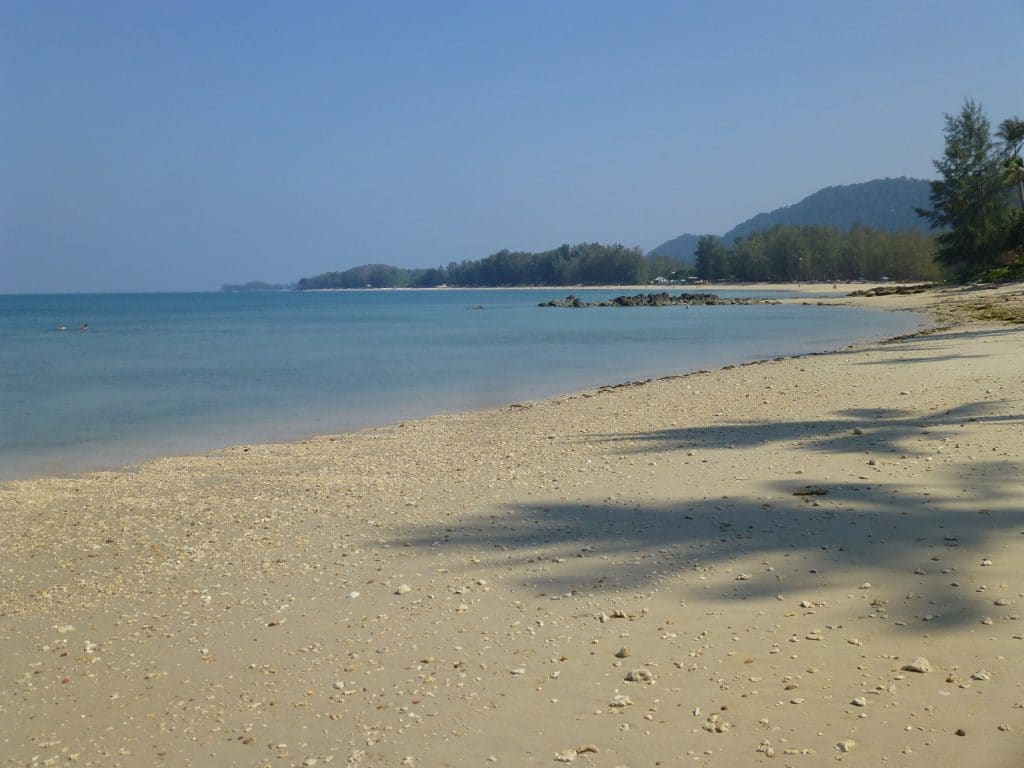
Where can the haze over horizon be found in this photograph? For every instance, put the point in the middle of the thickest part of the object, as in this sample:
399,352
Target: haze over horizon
179,147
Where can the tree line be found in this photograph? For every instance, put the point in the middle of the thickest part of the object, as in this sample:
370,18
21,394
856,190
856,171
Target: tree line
582,264
803,253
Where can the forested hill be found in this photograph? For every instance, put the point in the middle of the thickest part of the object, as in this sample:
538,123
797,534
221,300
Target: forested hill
885,204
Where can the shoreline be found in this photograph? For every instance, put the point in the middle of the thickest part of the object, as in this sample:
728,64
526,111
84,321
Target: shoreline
113,458
712,569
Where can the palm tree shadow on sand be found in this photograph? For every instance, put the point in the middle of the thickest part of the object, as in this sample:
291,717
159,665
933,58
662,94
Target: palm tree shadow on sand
924,550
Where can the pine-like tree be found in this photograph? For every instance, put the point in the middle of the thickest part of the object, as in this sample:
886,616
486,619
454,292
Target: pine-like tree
969,200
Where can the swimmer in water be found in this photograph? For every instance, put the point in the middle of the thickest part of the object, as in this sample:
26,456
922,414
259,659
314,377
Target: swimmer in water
85,326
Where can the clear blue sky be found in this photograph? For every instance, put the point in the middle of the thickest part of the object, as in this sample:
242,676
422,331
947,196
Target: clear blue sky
181,145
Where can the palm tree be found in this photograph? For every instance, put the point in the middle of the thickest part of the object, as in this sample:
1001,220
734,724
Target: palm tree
1011,133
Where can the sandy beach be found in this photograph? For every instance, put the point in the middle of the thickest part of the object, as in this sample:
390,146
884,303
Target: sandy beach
795,562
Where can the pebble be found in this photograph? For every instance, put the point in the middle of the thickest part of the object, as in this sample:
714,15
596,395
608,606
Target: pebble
623,653
920,664
846,745
353,595
859,701
404,589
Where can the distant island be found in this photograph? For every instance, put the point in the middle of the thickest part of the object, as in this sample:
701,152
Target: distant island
255,286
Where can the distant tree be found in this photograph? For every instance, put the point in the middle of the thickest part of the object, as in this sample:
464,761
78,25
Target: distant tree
711,258
429,278
969,199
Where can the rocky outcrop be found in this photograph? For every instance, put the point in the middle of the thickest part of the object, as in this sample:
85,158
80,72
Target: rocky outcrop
655,300
895,290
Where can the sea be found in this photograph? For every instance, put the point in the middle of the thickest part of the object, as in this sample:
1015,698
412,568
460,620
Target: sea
181,373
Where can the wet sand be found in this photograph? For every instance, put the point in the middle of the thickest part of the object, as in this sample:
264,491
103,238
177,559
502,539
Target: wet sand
718,569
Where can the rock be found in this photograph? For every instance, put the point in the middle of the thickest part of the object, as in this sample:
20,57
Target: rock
640,675
404,589
981,674
353,595
846,745
715,724
859,701
565,756
920,664
811,490
623,653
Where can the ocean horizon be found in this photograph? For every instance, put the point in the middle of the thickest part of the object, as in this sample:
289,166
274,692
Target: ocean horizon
185,373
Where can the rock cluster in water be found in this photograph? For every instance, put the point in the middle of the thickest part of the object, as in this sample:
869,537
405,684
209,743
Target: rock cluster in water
662,299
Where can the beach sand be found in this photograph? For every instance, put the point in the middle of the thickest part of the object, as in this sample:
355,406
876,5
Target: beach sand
726,568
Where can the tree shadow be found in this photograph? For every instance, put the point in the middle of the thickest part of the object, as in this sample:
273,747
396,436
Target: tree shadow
852,430
922,359
893,532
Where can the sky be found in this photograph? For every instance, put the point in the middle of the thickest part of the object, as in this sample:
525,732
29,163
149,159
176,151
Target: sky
177,146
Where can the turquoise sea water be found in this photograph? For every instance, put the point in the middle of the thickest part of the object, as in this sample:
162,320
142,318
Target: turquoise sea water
160,374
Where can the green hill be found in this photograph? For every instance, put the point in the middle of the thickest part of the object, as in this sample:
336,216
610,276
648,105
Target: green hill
885,204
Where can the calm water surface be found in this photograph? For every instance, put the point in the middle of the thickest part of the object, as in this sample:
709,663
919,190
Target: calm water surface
159,374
